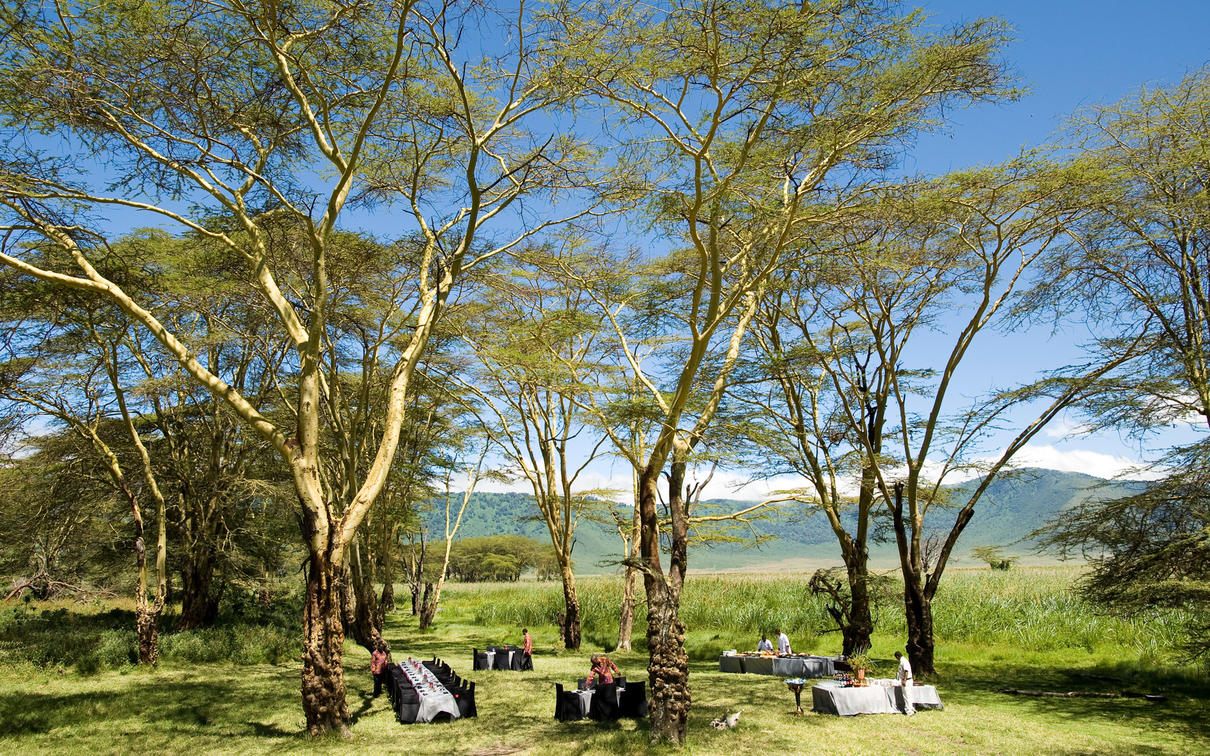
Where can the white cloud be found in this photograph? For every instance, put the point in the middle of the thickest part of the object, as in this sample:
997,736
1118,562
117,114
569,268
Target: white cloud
1079,460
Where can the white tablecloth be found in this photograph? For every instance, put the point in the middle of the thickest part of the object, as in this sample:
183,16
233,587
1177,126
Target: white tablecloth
435,698
831,697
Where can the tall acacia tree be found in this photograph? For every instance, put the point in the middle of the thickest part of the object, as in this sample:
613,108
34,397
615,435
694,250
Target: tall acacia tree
1136,262
532,326
746,110
278,116
83,389
929,270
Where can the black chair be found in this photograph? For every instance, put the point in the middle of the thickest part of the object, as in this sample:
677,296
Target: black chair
632,702
567,705
604,706
466,702
620,681
502,661
516,662
407,706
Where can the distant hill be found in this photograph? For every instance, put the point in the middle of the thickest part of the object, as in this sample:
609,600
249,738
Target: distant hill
1010,509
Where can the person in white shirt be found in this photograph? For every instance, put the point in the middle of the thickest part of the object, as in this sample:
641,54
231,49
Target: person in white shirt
905,678
783,643
765,644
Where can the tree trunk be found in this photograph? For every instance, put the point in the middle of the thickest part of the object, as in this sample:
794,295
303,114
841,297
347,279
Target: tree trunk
860,626
359,605
626,618
428,607
917,597
323,685
145,617
199,604
571,611
668,664
387,603
919,616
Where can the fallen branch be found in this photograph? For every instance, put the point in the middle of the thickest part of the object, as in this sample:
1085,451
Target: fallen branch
1084,694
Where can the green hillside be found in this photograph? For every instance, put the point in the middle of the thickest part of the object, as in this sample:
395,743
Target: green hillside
1009,510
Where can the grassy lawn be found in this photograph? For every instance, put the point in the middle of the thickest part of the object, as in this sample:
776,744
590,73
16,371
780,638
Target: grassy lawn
222,707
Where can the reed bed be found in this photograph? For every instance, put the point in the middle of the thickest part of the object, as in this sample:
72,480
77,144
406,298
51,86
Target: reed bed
1037,608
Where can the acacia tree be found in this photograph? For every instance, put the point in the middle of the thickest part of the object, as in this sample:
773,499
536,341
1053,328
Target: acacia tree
277,116
1136,262
85,393
530,328
963,246
747,109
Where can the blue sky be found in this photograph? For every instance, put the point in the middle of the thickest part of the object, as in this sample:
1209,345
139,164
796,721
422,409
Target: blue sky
1067,54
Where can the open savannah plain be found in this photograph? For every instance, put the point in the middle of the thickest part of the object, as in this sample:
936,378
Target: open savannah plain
70,685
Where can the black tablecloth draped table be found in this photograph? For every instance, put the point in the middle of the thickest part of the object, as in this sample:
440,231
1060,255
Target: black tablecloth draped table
781,666
497,657
831,697
606,701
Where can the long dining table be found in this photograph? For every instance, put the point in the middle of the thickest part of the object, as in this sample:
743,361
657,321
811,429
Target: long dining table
435,699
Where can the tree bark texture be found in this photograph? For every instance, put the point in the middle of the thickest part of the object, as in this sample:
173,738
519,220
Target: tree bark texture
571,604
668,664
323,685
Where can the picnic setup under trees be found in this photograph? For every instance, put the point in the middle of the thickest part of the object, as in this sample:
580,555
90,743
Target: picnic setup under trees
444,376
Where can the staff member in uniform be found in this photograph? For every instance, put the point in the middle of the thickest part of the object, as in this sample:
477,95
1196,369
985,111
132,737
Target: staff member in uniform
905,678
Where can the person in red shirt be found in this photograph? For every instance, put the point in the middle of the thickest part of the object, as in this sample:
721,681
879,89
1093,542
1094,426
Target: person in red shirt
378,667
603,670
527,651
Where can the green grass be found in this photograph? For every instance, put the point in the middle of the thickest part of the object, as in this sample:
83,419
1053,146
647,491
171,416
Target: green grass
1023,629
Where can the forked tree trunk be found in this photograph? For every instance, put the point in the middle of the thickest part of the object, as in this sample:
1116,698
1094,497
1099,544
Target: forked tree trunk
323,684
571,611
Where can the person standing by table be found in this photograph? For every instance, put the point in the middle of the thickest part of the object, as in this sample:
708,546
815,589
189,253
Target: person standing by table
765,644
904,675
527,651
378,666
783,643
602,672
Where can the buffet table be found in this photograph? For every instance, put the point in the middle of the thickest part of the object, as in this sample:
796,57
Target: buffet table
831,697
781,666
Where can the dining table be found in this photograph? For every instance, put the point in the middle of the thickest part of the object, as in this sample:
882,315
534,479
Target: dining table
435,699
877,697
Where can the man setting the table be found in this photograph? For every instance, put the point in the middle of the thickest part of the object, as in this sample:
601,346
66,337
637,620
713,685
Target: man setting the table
783,643
765,644
904,675
603,671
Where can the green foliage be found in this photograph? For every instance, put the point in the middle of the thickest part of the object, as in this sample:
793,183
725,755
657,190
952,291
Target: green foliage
994,557
494,558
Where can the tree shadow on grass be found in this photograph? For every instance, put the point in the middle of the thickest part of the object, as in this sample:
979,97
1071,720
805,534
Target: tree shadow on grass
1185,713
171,705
